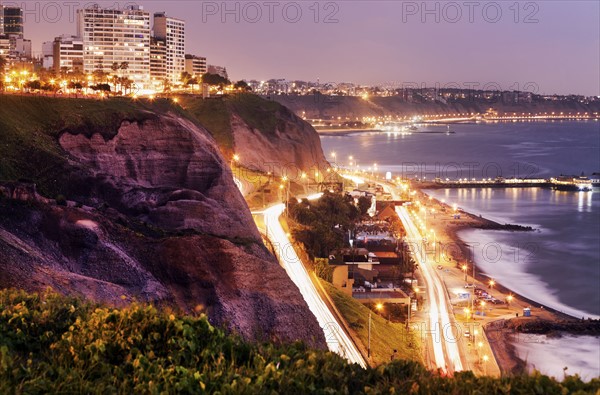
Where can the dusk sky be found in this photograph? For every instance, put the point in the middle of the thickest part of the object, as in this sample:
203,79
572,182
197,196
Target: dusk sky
544,46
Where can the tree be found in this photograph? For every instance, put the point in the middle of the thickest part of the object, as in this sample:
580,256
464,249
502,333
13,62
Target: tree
33,85
364,203
185,77
242,86
215,80
2,68
126,84
166,85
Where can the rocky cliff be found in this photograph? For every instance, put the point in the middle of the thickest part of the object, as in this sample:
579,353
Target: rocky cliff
267,136
147,211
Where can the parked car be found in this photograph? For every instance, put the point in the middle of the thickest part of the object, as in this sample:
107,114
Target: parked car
469,285
440,267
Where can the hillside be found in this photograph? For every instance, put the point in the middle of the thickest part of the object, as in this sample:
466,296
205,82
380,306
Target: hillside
267,136
52,344
122,200
332,107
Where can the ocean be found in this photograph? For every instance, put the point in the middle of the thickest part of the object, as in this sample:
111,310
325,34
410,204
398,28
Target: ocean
559,263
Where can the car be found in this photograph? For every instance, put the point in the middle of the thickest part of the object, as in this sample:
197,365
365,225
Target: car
497,301
440,267
469,285
467,333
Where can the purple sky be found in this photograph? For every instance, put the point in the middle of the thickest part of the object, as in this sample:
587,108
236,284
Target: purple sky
477,43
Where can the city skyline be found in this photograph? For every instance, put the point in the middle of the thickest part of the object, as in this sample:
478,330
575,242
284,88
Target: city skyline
383,42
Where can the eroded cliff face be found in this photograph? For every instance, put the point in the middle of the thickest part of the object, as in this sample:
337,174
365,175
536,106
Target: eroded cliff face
159,220
293,147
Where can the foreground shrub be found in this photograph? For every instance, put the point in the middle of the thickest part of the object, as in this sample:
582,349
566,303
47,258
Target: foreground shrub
54,344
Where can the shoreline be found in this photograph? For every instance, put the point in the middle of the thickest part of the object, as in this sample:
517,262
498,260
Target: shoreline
344,131
503,328
479,222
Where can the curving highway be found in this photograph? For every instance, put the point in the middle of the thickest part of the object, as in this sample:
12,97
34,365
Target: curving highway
441,327
337,340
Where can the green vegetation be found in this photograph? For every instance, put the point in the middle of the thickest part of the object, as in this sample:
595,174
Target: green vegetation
53,344
385,336
215,115
324,222
30,126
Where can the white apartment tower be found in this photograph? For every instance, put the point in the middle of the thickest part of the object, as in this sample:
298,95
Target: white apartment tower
172,32
67,53
116,36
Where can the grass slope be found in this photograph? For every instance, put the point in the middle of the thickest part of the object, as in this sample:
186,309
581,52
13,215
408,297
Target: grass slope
215,114
385,336
53,344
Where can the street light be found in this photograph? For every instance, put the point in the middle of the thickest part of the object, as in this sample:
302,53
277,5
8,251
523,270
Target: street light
287,198
492,283
304,177
378,306
464,268
235,158
485,359
509,299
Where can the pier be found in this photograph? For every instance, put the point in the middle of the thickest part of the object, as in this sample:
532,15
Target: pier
582,184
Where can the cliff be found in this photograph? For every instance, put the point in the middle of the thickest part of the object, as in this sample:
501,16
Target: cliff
267,136
121,200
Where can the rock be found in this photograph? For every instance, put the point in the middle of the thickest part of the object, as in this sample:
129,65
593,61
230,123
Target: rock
170,227
294,148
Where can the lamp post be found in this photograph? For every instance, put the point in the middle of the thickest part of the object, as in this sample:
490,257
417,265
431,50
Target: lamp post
234,159
378,306
287,195
485,359
509,299
409,308
304,177
464,268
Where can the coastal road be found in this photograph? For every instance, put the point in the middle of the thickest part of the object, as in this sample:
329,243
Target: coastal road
337,339
441,326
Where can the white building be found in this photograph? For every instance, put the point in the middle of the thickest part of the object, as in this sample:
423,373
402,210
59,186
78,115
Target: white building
4,46
116,36
158,63
172,32
67,53
20,48
195,65
48,55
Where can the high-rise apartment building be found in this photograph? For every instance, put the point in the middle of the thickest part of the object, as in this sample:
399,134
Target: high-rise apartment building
1,19
12,23
158,61
172,32
195,65
119,37
67,53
